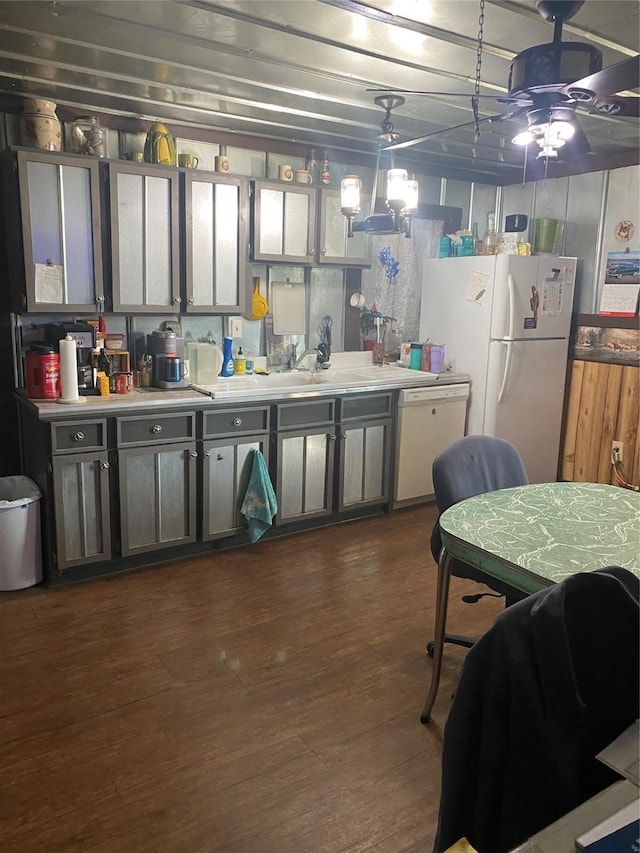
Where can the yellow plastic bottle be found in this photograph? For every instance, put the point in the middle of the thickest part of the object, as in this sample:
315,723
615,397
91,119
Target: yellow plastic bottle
239,363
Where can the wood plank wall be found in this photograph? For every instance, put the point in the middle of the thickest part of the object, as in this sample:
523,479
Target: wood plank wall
603,405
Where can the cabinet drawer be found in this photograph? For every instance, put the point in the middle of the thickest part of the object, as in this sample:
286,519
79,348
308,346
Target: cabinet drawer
306,414
79,435
235,421
156,429
370,405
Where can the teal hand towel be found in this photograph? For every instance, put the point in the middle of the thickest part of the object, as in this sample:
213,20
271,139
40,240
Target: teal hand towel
259,504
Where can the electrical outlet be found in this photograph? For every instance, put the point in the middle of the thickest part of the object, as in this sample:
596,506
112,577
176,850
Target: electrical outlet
236,327
617,448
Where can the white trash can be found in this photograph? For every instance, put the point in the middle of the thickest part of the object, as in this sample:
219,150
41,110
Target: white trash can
20,544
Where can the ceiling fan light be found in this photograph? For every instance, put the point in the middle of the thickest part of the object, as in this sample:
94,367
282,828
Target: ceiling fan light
562,129
523,138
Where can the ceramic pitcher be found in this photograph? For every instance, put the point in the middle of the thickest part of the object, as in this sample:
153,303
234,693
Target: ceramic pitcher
39,125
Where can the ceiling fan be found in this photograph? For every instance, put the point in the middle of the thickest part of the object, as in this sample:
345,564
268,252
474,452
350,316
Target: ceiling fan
547,83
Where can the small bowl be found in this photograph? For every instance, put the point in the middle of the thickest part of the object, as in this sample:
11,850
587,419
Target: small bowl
114,341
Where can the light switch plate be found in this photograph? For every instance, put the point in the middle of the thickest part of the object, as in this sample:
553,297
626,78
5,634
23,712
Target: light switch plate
236,327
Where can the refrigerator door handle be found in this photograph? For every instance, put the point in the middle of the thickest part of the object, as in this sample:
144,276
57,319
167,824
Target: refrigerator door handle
507,368
511,282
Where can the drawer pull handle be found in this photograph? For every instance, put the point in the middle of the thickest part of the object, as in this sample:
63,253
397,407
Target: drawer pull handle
156,428
193,455
220,457
77,436
104,466
236,421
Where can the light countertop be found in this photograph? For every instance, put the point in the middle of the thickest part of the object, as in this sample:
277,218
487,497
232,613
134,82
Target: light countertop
349,373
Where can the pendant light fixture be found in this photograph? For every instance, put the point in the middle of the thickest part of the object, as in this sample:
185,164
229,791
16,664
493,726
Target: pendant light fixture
402,191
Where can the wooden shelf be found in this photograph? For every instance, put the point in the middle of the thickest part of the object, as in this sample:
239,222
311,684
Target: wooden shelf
120,359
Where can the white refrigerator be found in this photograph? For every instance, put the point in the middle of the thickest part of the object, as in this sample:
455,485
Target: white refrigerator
505,320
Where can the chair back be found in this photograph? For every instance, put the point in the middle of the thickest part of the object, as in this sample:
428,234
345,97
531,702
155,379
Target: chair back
472,466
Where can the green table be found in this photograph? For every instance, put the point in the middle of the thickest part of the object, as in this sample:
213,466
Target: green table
532,537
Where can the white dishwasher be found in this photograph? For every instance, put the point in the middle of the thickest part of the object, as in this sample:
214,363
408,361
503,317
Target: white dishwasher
429,420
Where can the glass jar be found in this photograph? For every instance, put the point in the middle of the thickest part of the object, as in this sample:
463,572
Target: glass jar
88,137
490,242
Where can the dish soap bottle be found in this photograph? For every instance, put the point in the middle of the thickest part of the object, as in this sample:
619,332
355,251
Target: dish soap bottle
227,357
240,363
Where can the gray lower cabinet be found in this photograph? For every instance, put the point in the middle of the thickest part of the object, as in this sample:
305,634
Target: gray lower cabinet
81,493
229,437
305,465
365,450
157,470
82,509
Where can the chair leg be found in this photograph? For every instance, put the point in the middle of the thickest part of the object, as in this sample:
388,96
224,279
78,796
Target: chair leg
442,597
454,639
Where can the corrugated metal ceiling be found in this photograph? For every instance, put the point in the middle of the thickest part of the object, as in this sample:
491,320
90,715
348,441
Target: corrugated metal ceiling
299,70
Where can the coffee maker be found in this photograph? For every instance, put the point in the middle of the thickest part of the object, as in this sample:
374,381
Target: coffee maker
85,337
167,360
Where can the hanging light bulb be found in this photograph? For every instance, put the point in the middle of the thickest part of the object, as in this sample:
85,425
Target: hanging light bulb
350,199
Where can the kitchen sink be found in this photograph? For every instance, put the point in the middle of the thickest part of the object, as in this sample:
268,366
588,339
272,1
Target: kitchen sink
302,381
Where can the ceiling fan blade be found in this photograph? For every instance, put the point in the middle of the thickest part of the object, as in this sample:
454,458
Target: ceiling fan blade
425,92
409,143
616,78
614,105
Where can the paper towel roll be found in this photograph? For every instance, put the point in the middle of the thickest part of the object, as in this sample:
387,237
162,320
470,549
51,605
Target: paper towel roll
68,370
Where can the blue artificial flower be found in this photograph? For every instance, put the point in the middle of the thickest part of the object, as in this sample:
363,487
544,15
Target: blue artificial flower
391,266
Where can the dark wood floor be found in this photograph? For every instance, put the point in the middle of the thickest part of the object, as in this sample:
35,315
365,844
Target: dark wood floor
261,700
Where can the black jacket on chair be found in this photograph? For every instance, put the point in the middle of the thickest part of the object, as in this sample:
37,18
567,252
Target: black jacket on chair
547,687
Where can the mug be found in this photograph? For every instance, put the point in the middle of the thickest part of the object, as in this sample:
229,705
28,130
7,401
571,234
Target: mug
188,161
222,163
135,156
176,369
303,176
285,173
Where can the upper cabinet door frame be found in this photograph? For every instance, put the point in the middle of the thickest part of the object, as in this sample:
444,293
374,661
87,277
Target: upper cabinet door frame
280,210
145,262
334,247
216,242
69,202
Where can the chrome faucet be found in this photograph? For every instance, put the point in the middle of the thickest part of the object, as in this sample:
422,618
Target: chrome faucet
300,361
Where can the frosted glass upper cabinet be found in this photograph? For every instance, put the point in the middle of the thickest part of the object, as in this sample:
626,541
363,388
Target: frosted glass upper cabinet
284,219
216,242
145,220
57,236
334,246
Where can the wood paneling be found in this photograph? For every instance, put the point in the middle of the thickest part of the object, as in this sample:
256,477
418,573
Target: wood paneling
253,700
603,406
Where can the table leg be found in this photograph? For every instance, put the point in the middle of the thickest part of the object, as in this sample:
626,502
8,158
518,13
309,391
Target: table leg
442,598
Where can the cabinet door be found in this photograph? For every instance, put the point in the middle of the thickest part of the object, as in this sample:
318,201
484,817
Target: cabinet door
305,474
226,468
284,218
334,246
157,497
144,238
60,206
215,242
364,463
83,520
